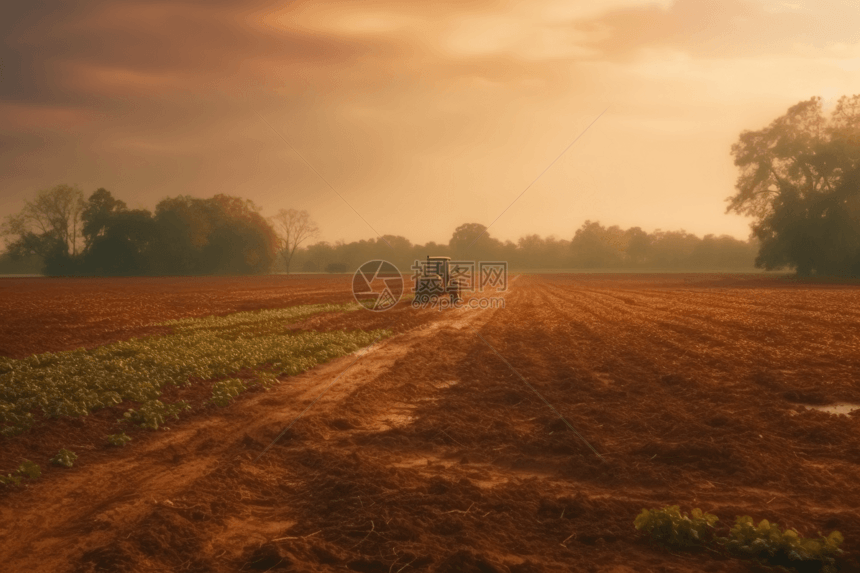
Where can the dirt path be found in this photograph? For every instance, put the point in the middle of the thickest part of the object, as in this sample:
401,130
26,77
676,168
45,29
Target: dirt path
430,453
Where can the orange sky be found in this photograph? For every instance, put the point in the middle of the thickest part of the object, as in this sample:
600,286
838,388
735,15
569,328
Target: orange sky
423,115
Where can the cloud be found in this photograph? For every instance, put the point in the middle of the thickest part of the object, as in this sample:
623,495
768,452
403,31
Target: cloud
424,115
724,28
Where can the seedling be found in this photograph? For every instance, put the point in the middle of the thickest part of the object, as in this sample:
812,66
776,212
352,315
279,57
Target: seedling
9,479
768,542
118,439
671,527
224,391
153,413
64,458
30,469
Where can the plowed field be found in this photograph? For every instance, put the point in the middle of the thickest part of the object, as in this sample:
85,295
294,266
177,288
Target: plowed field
431,449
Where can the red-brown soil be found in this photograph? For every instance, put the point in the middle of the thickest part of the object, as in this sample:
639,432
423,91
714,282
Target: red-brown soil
53,314
429,453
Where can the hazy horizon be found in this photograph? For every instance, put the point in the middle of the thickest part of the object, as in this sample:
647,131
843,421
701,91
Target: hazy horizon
423,117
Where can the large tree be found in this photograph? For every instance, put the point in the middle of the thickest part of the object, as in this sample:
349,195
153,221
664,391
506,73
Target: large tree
97,214
292,227
799,180
223,235
596,246
123,246
117,240
472,241
49,226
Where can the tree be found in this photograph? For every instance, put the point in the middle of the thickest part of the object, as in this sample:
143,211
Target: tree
472,241
97,213
54,212
672,249
123,246
223,235
117,240
242,241
595,246
533,251
322,253
48,227
292,228
638,246
799,180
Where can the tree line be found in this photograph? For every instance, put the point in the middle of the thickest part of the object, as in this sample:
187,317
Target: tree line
593,247
102,236
799,180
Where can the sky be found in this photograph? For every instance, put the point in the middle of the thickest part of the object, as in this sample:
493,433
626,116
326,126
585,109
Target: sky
413,117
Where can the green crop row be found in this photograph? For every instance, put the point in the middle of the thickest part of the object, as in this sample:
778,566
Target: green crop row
766,541
27,469
77,382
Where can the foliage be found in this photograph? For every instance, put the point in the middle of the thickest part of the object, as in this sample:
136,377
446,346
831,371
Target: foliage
26,264
670,526
64,458
800,179
335,268
224,391
292,228
76,382
9,479
227,235
594,246
118,241
120,439
30,469
220,235
26,469
153,413
767,541
100,209
472,240
48,226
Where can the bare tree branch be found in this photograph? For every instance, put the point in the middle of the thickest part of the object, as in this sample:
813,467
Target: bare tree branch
56,211
293,228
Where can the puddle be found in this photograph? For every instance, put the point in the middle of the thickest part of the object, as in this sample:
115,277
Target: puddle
839,409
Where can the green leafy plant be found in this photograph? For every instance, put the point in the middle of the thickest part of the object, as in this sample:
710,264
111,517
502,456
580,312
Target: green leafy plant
153,413
30,469
26,469
9,479
118,439
669,526
766,541
64,458
224,391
